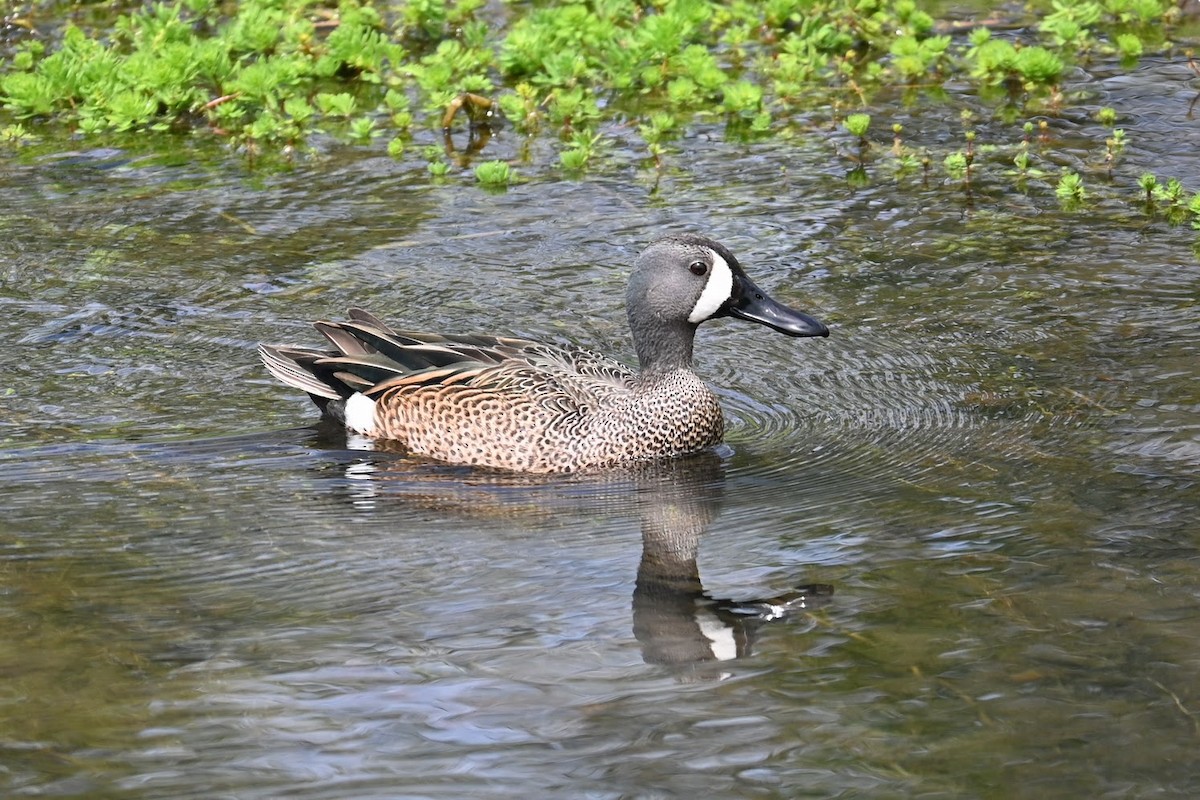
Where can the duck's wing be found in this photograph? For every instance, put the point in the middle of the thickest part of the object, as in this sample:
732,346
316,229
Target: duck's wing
372,358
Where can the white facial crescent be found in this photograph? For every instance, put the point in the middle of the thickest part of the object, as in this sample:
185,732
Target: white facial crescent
716,291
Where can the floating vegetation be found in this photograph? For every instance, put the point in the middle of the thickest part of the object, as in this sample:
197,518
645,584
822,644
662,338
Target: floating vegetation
1070,191
269,75
196,64
493,173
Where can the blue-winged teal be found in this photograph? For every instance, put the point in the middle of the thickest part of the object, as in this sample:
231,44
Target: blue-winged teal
532,407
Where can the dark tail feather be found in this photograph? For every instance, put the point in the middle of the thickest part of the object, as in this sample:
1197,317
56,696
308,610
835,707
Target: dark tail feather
294,366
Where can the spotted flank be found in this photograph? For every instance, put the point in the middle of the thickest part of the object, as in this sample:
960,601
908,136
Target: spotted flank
527,406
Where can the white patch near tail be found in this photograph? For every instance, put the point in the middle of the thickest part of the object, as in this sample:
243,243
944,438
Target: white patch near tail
360,414
716,291
720,636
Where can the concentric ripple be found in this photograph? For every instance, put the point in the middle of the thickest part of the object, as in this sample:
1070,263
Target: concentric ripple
870,407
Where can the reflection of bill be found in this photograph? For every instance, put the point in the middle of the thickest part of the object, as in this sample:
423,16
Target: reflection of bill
676,622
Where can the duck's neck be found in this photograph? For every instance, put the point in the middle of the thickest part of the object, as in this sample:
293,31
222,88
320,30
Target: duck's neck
664,347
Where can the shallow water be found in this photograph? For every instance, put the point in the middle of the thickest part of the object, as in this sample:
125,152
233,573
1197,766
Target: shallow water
993,462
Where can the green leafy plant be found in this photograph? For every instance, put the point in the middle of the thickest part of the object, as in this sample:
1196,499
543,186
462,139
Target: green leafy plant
493,173
742,100
956,165
1130,48
1149,183
1070,190
857,125
913,57
335,105
15,134
659,129
362,128
581,150
270,73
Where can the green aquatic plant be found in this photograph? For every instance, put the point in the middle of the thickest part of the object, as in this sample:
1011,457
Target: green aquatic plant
1024,166
857,125
1130,48
1069,25
1039,66
742,100
363,128
581,149
436,165
574,159
956,165
160,71
434,19
658,130
1149,182
493,173
1170,193
1070,191
15,134
450,71
570,108
1194,209
1167,198
341,104
913,57
1113,147
998,60
271,73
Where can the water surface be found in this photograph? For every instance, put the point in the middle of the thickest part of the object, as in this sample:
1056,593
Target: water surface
993,462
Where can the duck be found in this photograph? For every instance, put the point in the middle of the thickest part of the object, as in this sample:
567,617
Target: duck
519,405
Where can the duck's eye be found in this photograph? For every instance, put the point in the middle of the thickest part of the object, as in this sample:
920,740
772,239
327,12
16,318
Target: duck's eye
698,268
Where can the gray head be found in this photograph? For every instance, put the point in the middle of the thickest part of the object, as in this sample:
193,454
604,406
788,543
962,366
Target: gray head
679,282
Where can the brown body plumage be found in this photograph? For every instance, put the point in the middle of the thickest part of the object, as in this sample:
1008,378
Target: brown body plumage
527,406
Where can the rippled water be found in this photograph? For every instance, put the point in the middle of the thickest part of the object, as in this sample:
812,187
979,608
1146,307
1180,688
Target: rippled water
993,463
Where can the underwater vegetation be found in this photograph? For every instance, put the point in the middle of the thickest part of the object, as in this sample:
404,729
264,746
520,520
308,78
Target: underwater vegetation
268,76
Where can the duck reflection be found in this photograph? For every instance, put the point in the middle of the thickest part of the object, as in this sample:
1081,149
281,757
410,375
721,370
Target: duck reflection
676,622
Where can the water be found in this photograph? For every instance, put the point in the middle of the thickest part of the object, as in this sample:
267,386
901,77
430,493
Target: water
993,462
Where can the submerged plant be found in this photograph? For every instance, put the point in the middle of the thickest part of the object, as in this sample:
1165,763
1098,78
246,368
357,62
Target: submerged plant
15,134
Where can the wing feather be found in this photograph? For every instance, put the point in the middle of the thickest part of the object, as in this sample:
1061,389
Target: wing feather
373,358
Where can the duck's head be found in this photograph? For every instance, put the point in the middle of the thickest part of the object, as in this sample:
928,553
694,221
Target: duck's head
680,281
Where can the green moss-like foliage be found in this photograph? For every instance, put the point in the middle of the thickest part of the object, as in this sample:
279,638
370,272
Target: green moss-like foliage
269,73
